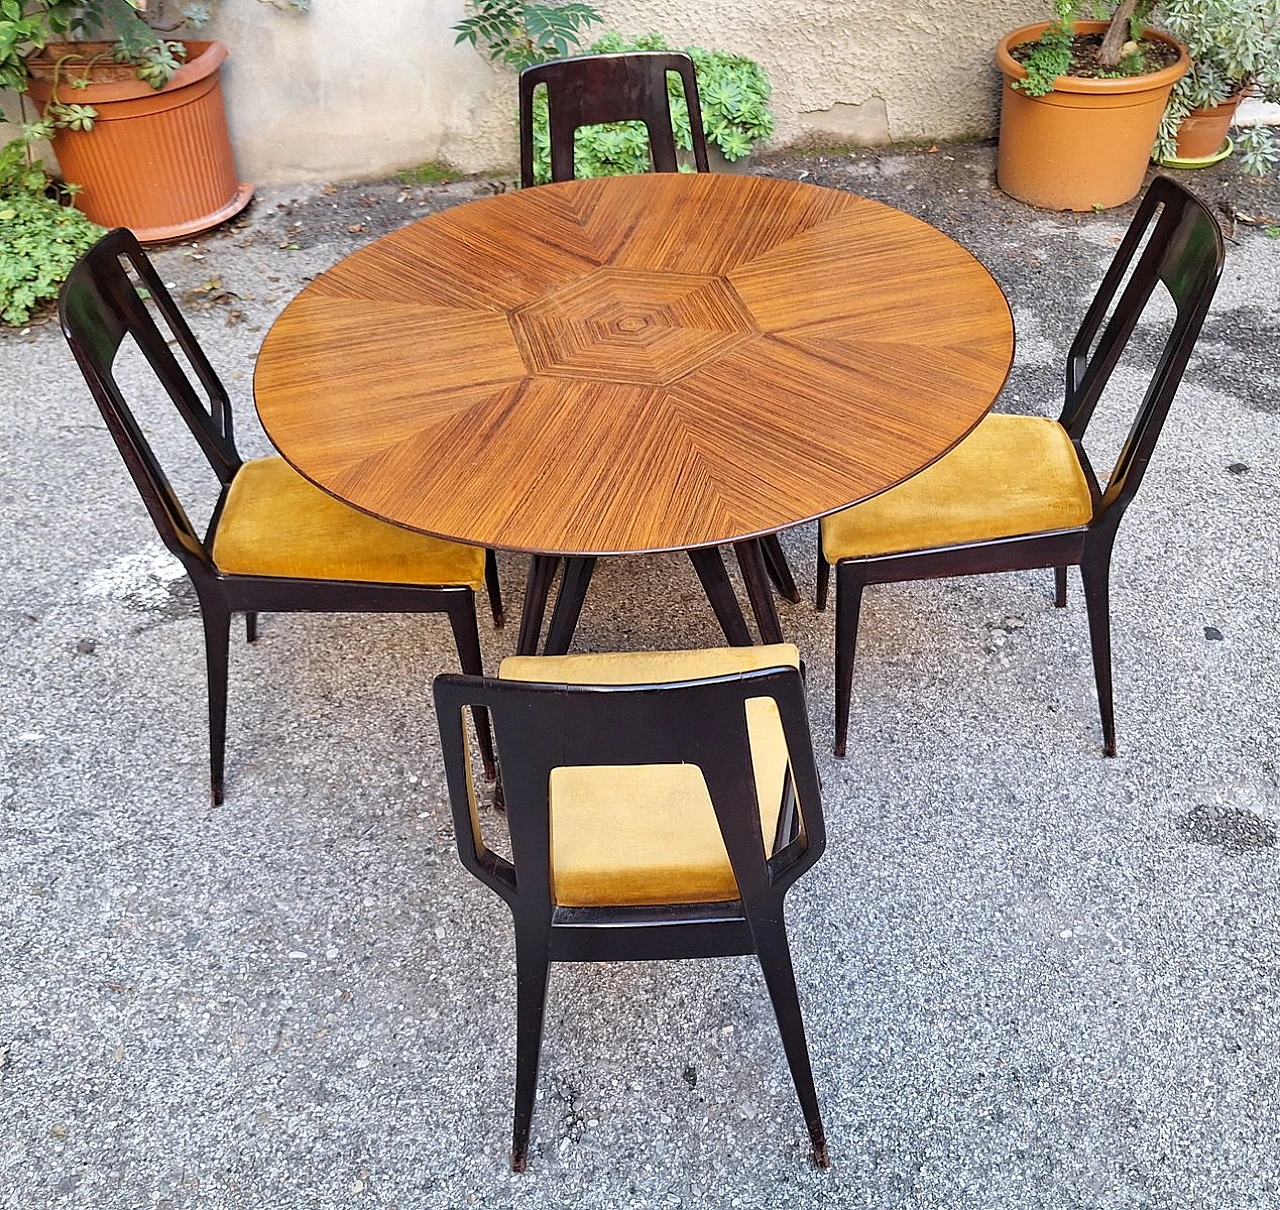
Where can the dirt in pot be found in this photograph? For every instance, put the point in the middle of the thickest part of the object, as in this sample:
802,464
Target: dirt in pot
1147,57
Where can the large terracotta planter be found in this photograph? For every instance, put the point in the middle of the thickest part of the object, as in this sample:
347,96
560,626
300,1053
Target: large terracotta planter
1202,134
157,161
1086,144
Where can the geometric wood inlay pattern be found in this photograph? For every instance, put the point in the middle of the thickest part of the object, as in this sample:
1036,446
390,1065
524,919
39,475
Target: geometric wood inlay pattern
628,364
631,325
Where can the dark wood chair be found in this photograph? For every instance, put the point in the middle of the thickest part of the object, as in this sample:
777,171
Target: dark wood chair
1020,492
275,542
659,805
591,90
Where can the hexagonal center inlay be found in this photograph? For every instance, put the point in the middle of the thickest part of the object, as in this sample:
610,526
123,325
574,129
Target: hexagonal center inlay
630,325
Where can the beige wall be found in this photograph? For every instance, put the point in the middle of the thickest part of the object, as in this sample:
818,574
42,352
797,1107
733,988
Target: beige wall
360,87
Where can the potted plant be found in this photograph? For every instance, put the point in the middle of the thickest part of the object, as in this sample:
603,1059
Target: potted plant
1235,49
1081,105
136,117
732,88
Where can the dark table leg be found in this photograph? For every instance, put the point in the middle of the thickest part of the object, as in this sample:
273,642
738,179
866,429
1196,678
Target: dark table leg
775,562
751,561
715,582
573,592
542,569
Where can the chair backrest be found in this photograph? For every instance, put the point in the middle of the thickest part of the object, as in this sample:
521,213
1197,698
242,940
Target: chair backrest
593,89
102,303
541,727
1184,252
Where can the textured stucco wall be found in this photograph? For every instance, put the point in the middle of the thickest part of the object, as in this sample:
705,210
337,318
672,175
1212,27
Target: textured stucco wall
360,87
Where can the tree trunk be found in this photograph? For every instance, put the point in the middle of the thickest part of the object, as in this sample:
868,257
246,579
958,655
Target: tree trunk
1117,34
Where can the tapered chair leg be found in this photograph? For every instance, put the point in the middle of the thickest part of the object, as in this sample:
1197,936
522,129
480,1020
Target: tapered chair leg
494,586
251,627
532,968
217,639
824,578
849,584
779,977
1060,587
1095,570
466,636
778,569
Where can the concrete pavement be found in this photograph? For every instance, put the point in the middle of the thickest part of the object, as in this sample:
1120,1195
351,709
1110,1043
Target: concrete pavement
1032,977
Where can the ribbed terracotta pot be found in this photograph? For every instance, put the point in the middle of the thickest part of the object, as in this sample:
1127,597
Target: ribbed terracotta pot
1202,132
1086,144
157,160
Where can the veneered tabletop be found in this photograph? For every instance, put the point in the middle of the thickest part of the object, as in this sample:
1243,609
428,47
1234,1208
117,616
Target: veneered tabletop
633,364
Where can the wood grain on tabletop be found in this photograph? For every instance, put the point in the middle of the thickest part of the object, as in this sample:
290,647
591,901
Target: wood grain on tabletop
634,363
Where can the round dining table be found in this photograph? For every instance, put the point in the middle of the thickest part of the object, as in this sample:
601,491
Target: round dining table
627,365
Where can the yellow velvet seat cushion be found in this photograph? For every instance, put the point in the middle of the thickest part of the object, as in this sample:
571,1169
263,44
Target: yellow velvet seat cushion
275,523
1012,475
647,834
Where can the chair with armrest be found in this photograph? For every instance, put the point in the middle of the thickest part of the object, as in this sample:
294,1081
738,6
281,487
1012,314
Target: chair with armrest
275,542
659,805
591,90
1019,492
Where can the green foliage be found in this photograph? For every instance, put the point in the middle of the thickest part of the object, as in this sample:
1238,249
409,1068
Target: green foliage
1050,56
735,113
520,34
1048,59
1257,150
43,238
733,89
1234,45
27,26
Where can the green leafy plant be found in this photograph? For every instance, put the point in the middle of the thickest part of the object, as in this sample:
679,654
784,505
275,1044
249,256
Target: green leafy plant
1234,47
521,34
43,237
733,89
29,26
1120,54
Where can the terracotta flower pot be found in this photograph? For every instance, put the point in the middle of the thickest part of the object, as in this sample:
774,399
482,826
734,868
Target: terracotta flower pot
157,161
1086,144
1203,132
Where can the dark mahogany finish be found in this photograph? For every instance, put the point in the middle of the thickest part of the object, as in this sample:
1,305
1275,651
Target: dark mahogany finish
100,307
1184,253
539,727
592,90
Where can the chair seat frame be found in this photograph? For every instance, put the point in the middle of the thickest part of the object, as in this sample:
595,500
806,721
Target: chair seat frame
100,305
538,727
1184,251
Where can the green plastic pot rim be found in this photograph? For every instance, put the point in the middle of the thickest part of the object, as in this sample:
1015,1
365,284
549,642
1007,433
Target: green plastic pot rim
1204,161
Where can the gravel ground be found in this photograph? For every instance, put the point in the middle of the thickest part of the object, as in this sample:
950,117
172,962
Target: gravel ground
1032,977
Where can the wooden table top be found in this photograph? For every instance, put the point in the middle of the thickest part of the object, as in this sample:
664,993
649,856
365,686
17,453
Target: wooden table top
632,364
